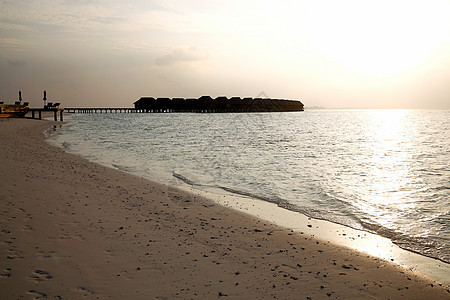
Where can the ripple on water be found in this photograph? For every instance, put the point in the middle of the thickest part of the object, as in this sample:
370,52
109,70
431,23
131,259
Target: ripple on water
384,171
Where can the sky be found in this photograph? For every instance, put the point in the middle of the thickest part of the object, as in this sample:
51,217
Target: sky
335,54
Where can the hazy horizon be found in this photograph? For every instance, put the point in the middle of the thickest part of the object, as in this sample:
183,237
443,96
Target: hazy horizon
335,54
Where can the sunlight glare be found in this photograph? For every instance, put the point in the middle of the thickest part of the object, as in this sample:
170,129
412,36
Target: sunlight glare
378,38
389,176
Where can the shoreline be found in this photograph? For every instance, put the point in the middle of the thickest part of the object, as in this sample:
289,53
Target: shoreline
356,239
72,228
291,178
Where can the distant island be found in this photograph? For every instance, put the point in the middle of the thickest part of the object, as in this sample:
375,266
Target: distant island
207,104
315,107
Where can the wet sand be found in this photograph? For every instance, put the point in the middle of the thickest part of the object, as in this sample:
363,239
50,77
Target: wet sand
71,228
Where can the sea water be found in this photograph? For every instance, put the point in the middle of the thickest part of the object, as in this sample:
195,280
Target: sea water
382,171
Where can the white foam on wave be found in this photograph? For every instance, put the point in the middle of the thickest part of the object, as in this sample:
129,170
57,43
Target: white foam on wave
156,157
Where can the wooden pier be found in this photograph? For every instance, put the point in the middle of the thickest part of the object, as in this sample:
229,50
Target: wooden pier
93,110
37,112
204,104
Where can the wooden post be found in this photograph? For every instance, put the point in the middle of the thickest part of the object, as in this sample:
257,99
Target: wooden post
32,114
56,115
61,115
40,116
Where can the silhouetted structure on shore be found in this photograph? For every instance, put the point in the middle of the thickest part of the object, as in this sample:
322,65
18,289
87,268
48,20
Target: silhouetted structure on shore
206,104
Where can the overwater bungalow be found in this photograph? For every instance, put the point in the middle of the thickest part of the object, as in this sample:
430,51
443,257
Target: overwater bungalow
221,104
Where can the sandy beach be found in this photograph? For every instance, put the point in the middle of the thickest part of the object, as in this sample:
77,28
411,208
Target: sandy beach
73,229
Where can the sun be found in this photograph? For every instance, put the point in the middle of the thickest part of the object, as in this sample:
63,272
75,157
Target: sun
378,38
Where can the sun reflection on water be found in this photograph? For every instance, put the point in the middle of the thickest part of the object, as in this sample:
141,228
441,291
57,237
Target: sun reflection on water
388,180
383,171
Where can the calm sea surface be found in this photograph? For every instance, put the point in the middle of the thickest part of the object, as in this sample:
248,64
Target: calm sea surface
383,171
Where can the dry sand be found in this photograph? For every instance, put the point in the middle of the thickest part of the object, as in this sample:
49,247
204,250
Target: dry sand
72,229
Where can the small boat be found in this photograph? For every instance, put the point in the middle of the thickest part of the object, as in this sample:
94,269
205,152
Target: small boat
17,110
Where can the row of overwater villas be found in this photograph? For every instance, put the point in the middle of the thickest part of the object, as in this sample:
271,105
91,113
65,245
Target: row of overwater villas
207,104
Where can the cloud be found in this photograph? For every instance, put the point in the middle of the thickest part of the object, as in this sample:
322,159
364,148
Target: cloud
16,63
75,15
181,55
13,42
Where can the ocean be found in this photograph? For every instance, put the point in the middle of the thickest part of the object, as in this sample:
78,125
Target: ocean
382,171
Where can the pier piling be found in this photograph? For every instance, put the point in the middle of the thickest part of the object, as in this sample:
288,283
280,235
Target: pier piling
40,110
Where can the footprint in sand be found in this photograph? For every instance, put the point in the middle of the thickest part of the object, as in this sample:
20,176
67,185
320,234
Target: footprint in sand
14,254
40,275
109,253
27,228
64,236
7,242
47,255
6,273
37,295
85,291
5,231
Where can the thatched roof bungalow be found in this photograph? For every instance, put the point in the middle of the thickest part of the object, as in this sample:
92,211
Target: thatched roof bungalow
220,104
